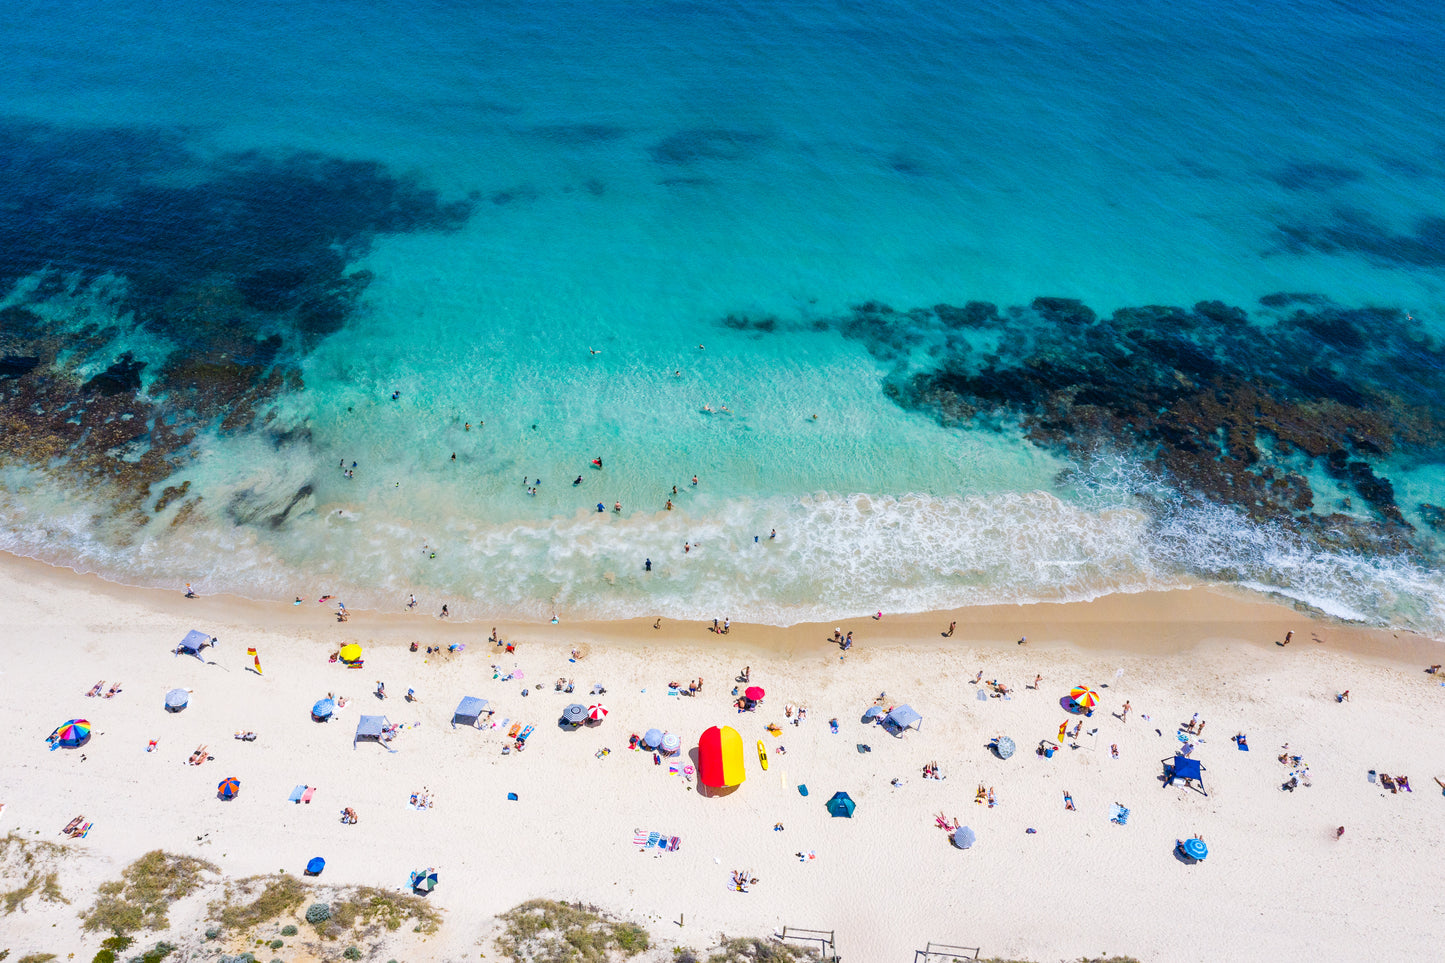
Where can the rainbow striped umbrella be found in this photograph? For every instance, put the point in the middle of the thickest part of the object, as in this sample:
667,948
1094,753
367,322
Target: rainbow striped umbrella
228,787
1084,696
73,733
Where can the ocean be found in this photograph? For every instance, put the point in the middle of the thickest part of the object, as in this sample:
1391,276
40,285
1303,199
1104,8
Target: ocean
941,304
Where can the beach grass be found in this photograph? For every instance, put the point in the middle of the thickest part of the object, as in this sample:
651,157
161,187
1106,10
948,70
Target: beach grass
752,949
30,860
366,905
546,931
147,887
36,958
278,896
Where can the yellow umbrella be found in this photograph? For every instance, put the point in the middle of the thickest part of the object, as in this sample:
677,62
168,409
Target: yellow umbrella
351,653
1084,696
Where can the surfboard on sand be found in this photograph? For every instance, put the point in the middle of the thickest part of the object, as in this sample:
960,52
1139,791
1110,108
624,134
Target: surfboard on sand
762,754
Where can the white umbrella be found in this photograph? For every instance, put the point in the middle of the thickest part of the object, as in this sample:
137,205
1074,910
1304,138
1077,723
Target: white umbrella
597,712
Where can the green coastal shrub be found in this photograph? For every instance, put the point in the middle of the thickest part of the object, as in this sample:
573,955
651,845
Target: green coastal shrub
288,930
318,913
277,944
352,953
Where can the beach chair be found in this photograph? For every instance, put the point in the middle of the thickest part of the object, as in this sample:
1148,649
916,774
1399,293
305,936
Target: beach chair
306,796
296,794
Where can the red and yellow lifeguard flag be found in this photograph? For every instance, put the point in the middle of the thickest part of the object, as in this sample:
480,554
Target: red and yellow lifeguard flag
720,757
252,654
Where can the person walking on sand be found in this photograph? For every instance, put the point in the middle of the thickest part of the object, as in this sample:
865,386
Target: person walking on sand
1037,680
1287,637
951,627
1124,716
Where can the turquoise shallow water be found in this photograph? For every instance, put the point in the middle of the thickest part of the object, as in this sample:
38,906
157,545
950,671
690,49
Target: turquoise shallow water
622,178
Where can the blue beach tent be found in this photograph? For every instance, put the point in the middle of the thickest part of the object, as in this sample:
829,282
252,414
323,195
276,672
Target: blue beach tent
841,805
901,719
194,642
1182,767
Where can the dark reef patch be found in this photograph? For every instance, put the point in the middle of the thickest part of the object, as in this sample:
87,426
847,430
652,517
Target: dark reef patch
1314,177
1234,408
578,135
1349,231
228,269
698,144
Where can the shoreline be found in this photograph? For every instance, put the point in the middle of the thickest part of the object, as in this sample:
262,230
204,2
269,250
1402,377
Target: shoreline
1156,622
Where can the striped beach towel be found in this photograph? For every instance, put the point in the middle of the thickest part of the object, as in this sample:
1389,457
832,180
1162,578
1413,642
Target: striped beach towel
1118,814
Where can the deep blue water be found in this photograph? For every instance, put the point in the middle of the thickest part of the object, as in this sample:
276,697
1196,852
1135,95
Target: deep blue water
286,213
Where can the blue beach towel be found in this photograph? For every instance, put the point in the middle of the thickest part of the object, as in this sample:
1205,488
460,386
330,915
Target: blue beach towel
1118,814
1243,746
296,794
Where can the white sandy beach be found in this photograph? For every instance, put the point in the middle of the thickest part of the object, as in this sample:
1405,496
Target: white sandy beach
1277,883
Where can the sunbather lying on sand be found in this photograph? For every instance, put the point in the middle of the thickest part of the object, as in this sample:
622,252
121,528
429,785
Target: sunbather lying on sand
95,690
198,757
112,690
1388,783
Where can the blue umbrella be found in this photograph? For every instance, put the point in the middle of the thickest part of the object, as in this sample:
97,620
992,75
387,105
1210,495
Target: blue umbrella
963,837
1194,848
841,805
652,738
177,699
424,881
323,709
872,712
315,866
1004,746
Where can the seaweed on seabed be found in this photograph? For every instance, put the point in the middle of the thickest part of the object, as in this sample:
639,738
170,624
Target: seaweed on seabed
1194,392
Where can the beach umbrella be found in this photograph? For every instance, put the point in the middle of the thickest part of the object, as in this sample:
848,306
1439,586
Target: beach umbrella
1194,848
963,837
754,693
652,738
315,865
351,653
71,734
841,804
424,881
177,699
574,714
720,757
1004,746
228,787
597,712
323,709
1084,696
872,712
670,743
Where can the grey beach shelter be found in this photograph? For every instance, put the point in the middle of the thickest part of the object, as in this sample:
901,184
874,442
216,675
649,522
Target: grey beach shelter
469,711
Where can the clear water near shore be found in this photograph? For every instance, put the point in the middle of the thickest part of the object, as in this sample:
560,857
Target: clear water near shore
625,182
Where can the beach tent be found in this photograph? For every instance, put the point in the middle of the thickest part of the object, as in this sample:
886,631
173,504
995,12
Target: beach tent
194,642
323,709
901,719
370,727
719,757
177,699
841,804
469,710
652,738
575,714
1182,767
963,837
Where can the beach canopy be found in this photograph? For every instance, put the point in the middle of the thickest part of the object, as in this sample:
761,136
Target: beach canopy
71,734
575,714
841,804
469,710
1083,696
652,738
1004,746
670,743
193,643
228,787
1195,848
350,653
963,837
323,709
177,699
1182,767
720,757
753,693
370,727
597,712
903,718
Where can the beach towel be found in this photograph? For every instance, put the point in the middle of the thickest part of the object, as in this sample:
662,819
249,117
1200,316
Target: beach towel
673,843
310,791
1241,745
296,794
1118,814
526,732
982,696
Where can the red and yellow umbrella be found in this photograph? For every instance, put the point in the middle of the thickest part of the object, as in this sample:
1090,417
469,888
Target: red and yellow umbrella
1084,696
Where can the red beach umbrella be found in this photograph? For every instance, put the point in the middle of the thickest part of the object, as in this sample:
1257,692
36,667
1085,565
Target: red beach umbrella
754,692
597,712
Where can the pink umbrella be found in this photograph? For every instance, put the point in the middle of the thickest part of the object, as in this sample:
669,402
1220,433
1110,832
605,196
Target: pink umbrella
754,693
597,712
